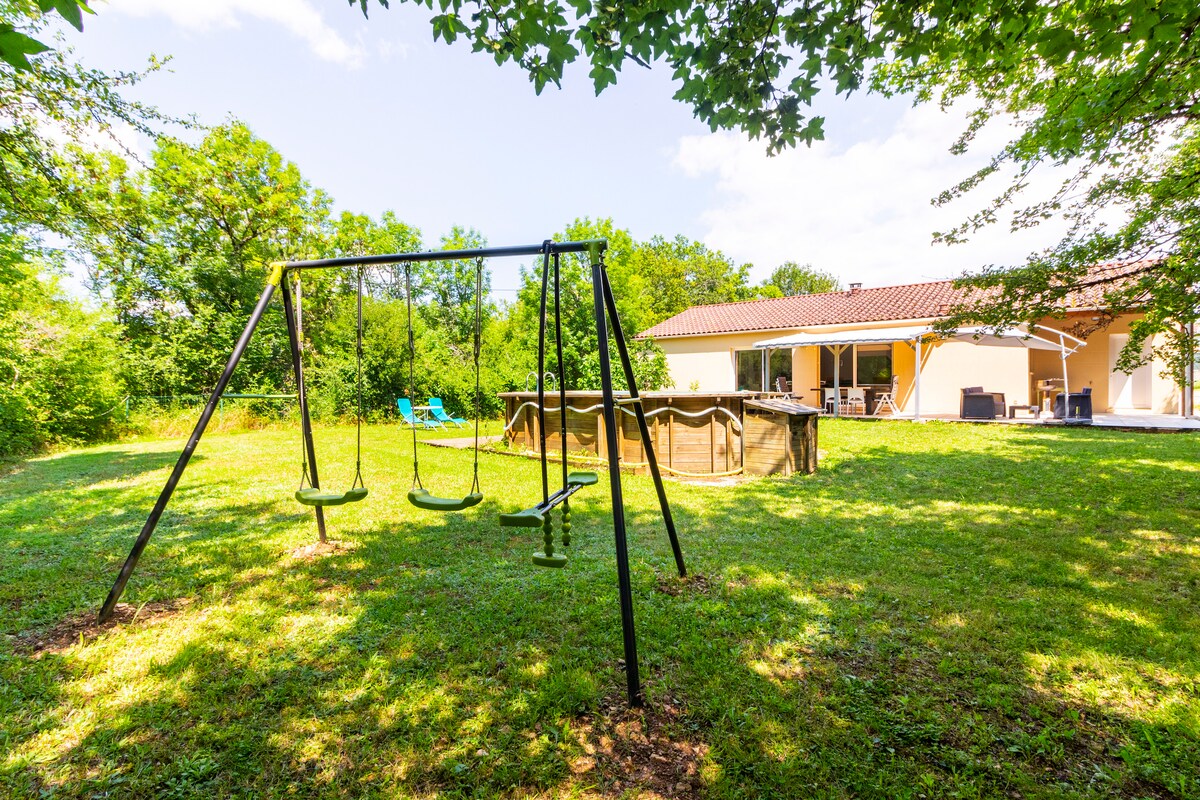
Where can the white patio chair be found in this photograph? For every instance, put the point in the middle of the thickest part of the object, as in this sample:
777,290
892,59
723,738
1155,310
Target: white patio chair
831,398
855,397
887,399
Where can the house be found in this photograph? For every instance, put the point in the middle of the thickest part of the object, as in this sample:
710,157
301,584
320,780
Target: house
867,336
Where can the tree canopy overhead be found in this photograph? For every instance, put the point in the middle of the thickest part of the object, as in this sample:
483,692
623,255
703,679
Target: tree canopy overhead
1110,88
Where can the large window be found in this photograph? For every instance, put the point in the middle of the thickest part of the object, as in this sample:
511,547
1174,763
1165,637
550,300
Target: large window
845,368
751,376
859,365
874,364
749,370
779,365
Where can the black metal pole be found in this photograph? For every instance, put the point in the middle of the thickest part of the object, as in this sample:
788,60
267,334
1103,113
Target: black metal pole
110,603
632,680
293,329
643,427
450,255
562,398
541,385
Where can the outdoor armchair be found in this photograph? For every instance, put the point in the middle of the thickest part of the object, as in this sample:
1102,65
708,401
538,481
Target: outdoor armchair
975,403
1081,405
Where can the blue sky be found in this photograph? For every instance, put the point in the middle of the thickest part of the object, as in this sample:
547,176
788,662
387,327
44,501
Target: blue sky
380,116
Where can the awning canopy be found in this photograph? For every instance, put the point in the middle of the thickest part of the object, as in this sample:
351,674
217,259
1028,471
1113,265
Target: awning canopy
1007,337
871,336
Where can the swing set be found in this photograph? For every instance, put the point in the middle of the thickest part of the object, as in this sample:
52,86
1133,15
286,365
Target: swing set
539,515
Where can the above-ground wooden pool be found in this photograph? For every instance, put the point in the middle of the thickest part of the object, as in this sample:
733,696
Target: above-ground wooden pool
694,434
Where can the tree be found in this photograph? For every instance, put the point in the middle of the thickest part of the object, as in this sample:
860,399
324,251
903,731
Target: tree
1110,88
794,279
44,101
580,344
679,273
182,249
58,362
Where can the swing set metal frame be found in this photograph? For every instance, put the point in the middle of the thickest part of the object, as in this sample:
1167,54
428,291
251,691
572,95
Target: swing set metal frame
608,325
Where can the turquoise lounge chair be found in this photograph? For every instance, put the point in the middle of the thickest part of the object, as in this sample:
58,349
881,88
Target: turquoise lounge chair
439,412
410,418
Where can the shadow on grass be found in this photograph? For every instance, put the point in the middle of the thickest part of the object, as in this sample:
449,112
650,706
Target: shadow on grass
903,623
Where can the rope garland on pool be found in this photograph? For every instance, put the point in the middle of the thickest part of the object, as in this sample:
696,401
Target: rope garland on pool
639,464
737,422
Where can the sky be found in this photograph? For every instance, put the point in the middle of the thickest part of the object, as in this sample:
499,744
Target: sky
380,116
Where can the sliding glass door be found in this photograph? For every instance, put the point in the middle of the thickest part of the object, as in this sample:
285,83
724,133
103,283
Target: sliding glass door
759,370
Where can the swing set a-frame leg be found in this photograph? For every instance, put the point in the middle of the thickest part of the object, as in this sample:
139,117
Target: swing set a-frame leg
643,427
289,313
164,497
633,682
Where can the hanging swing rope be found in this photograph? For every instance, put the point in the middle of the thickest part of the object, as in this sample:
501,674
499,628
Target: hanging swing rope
418,495
313,496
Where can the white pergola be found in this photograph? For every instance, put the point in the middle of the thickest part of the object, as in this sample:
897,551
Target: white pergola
915,335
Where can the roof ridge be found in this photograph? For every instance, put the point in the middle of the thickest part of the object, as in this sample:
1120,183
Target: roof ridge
812,294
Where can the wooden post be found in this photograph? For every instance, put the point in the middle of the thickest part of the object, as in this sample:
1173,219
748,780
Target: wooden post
788,463
728,445
656,433
670,435
620,434
601,445
712,443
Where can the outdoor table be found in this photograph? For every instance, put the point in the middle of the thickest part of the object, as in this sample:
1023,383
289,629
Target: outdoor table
422,413
869,392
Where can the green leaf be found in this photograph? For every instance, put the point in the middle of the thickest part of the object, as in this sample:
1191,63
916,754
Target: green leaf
15,46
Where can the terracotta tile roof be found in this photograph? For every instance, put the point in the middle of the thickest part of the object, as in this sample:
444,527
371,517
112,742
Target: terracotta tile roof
912,301
850,306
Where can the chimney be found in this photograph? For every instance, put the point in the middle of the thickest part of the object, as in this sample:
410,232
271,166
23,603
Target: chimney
854,287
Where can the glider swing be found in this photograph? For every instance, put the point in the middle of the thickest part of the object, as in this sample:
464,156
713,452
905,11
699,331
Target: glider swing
605,313
540,515
418,495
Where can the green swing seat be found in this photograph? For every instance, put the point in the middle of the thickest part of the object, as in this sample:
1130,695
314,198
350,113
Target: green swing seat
528,518
534,516
323,497
423,499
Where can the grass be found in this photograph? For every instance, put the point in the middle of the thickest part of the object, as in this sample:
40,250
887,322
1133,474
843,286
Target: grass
941,611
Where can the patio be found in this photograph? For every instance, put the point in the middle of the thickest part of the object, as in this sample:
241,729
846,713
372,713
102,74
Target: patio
1127,421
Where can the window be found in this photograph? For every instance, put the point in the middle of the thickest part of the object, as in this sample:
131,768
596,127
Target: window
749,370
779,365
874,364
845,367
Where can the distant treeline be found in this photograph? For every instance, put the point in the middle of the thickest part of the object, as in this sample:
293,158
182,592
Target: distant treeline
175,252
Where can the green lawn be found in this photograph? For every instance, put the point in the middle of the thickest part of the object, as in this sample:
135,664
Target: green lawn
942,611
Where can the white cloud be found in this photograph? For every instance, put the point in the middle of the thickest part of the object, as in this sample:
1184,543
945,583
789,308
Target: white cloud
862,211
298,17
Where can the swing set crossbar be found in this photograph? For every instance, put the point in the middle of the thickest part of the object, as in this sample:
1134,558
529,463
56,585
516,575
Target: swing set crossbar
582,246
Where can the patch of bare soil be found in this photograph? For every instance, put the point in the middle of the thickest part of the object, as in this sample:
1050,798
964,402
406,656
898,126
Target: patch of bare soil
83,627
310,552
675,586
638,751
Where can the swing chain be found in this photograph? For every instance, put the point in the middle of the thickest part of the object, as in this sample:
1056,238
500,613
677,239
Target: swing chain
478,328
412,357
358,479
